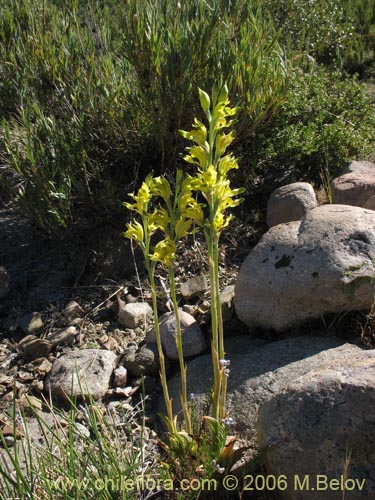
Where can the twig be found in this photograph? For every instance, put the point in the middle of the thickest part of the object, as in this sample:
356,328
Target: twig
95,309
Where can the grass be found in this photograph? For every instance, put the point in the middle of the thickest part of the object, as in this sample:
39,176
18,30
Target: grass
87,453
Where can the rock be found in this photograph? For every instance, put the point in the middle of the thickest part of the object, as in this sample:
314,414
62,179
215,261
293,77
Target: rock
357,166
194,286
226,301
4,281
73,310
317,422
141,362
31,323
260,371
193,341
289,203
33,347
120,376
81,373
135,314
355,188
302,270
66,336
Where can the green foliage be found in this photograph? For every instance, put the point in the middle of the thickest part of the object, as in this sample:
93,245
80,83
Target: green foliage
63,97
91,92
339,33
325,121
75,461
176,47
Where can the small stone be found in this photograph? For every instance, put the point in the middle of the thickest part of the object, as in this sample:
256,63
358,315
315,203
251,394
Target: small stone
73,310
120,376
142,362
31,323
81,373
82,430
290,203
66,336
135,314
226,301
190,309
193,341
33,347
44,367
194,286
9,441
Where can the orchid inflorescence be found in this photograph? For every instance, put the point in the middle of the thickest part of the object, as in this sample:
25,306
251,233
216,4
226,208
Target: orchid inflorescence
176,213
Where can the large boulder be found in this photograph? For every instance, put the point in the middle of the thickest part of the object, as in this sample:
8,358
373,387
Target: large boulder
357,166
356,186
316,424
301,270
290,202
259,371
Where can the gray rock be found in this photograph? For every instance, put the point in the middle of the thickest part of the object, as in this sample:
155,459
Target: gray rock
227,302
144,361
317,422
194,286
356,166
302,270
33,347
355,188
258,372
4,281
193,341
135,314
73,310
289,203
120,376
31,322
65,336
81,373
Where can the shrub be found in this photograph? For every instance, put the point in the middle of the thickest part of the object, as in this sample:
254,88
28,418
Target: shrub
68,134
91,95
325,121
175,47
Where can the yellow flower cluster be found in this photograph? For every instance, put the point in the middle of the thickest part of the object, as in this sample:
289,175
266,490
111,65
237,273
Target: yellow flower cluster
207,153
175,219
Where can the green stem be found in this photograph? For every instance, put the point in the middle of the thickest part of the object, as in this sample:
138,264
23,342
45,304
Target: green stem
217,299
214,323
163,373
183,394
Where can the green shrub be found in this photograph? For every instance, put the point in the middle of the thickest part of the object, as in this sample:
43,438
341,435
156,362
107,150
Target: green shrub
325,121
339,33
176,47
69,137
92,96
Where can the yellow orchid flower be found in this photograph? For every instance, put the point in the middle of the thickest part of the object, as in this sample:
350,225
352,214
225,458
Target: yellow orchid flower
227,163
165,252
134,232
161,187
182,228
222,142
204,99
159,219
142,199
197,155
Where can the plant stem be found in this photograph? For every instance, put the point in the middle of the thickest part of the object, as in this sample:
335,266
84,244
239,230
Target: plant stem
183,393
163,374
